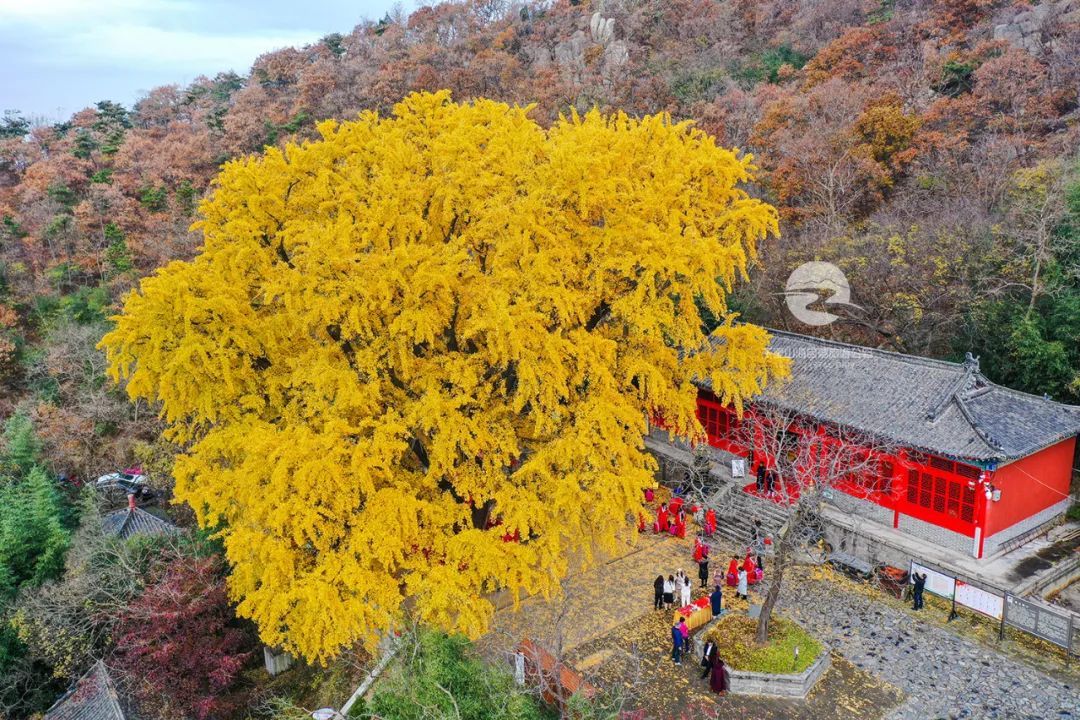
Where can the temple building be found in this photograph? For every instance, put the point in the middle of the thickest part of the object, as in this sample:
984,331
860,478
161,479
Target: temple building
961,462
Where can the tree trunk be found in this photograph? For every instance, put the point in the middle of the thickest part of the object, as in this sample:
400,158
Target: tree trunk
780,562
779,565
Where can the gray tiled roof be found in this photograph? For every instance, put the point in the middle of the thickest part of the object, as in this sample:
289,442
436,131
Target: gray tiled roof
939,407
128,522
92,697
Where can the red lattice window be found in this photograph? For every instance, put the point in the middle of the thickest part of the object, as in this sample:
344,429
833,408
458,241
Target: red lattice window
718,422
943,495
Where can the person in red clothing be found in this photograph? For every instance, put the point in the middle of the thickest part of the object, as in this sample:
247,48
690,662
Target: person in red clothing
700,550
680,525
710,522
750,568
662,518
732,577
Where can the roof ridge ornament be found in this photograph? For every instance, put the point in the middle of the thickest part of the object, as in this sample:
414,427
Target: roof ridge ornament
971,362
955,389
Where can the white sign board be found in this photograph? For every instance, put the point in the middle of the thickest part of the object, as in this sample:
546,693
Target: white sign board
937,583
738,467
979,600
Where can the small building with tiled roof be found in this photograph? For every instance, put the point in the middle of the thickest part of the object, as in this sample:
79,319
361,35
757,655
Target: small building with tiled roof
970,464
91,697
131,521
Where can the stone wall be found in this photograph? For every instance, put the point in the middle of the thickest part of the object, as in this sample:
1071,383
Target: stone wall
787,686
937,534
860,507
796,685
865,546
993,543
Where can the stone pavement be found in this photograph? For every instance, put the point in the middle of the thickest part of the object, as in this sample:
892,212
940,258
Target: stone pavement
942,674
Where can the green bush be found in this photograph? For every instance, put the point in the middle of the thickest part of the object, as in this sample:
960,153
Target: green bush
86,306
765,66
1073,512
441,677
62,194
692,87
154,198
957,78
117,254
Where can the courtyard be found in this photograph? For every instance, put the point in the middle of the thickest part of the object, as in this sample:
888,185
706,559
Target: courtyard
887,662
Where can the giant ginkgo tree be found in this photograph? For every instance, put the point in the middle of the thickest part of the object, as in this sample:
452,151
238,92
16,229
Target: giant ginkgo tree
414,360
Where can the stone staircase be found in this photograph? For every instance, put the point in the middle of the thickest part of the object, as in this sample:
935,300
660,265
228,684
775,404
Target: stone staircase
736,511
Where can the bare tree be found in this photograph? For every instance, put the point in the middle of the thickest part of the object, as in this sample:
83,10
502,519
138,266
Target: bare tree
1036,207
547,672
807,462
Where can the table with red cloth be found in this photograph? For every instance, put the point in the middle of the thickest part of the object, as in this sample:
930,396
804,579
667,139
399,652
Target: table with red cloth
696,613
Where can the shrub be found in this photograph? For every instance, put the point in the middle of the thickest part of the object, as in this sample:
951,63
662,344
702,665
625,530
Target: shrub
734,637
442,678
182,642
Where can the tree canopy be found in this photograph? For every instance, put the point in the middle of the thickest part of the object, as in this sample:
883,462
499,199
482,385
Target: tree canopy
424,325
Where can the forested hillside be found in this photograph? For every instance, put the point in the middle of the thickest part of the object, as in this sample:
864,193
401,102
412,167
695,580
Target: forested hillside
927,147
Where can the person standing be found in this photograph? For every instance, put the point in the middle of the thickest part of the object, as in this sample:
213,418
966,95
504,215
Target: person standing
676,643
710,522
658,593
700,549
740,589
732,577
716,600
708,657
686,592
718,677
751,569
920,585
703,570
684,630
761,471
669,592
662,518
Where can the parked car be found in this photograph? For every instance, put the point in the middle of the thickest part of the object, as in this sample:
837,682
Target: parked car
134,478
118,485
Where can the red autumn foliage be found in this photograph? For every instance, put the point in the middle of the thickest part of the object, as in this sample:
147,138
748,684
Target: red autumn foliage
180,643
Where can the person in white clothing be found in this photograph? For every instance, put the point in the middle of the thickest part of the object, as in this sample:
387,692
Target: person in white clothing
741,589
669,592
687,591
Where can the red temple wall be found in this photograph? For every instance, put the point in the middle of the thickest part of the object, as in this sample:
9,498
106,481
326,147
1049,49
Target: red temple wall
1030,485
933,489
